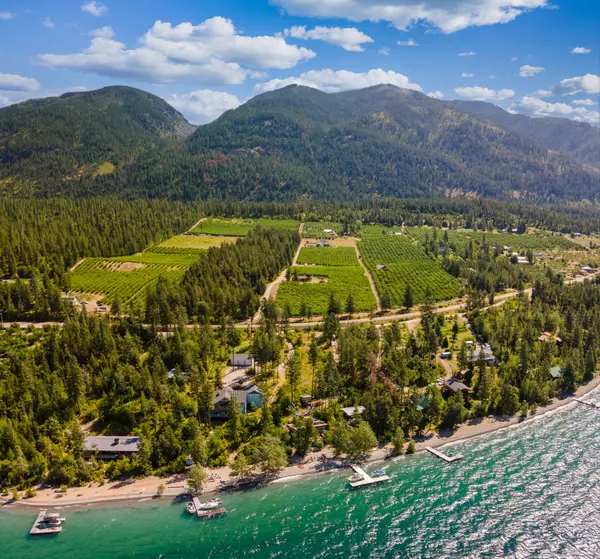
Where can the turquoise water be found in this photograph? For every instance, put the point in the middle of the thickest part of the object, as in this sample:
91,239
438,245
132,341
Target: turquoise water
529,492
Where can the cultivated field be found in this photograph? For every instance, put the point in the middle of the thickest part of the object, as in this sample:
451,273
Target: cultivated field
241,227
199,242
328,256
316,229
405,263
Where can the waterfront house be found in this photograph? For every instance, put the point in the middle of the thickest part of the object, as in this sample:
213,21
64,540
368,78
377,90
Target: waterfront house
455,386
110,448
353,411
248,396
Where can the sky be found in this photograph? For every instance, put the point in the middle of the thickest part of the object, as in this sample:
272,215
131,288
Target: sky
535,57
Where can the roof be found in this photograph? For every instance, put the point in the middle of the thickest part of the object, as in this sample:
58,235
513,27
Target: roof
112,444
456,385
349,411
423,403
556,372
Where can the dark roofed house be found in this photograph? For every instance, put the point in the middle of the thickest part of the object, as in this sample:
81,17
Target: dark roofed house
456,386
488,354
110,448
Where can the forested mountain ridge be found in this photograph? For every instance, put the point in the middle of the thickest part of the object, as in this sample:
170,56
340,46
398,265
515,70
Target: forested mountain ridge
77,136
299,142
578,140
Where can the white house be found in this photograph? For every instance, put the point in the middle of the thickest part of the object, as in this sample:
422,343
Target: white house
241,360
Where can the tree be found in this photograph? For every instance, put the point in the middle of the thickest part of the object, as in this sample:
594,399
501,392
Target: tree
456,412
398,440
293,370
385,300
411,448
334,306
331,326
350,306
196,477
304,434
160,489
266,455
408,300
240,466
234,423
198,450
313,357
455,331
115,307
509,400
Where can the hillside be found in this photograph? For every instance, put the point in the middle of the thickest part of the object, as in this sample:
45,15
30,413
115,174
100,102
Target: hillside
578,140
77,136
294,143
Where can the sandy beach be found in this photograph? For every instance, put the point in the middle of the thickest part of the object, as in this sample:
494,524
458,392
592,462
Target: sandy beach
313,464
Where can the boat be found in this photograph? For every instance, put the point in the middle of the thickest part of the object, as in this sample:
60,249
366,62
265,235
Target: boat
377,473
195,506
355,477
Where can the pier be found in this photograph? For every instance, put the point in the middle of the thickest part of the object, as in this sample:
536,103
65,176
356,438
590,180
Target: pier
586,403
444,457
41,528
366,478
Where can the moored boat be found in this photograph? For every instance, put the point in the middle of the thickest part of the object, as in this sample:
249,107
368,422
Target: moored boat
377,473
355,477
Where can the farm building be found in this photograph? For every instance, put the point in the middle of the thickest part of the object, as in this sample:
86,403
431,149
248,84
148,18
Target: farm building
110,448
246,395
241,360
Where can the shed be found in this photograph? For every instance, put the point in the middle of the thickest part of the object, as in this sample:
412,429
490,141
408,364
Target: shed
556,372
423,403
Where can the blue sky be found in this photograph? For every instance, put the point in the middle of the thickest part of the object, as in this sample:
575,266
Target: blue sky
529,56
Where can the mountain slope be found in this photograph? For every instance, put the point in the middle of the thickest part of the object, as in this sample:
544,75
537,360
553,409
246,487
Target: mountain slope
578,140
81,134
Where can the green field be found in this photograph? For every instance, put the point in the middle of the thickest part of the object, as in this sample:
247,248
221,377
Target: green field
316,229
200,242
241,227
328,256
341,280
533,241
106,276
406,264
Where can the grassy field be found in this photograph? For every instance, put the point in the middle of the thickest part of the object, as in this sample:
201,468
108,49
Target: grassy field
241,227
328,256
534,241
316,229
407,264
199,242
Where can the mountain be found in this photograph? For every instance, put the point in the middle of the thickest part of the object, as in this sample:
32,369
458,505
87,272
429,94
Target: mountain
299,142
78,136
578,140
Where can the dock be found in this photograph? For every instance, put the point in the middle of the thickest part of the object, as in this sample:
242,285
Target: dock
586,403
210,513
36,530
366,478
444,457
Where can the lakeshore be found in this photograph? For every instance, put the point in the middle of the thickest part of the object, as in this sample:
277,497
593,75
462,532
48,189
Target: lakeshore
314,464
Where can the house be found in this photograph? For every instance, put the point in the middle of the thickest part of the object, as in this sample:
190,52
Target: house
423,403
455,386
246,395
241,360
382,267
70,299
310,244
447,354
486,351
353,411
556,372
522,260
305,400
323,243
319,425
110,448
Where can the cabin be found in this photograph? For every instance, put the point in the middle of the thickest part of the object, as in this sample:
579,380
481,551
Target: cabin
486,352
454,386
248,396
556,372
241,360
353,411
110,448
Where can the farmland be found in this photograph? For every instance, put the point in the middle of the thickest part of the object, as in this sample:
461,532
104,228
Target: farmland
328,256
241,227
199,242
316,229
406,263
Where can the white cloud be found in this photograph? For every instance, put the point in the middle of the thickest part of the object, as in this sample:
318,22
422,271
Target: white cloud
470,53
211,52
349,38
477,93
435,94
340,80
384,51
204,105
493,77
105,32
409,43
544,93
584,102
581,50
47,22
447,15
6,15
590,83
466,75
13,82
514,59
527,71
94,8
539,108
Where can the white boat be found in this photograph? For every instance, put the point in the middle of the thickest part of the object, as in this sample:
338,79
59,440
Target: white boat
355,477
195,506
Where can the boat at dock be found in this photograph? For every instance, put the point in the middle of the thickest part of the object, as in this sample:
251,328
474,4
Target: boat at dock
195,506
377,473
47,523
355,477
210,513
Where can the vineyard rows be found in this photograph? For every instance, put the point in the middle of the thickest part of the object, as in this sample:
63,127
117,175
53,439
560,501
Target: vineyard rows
241,227
328,256
316,229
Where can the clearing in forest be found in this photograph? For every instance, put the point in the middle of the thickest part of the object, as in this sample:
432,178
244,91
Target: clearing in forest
199,242
321,229
241,227
326,270
396,261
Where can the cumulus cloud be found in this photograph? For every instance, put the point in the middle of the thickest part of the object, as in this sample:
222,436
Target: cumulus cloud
527,71
6,15
384,51
580,50
47,22
478,93
409,43
544,93
105,32
349,38
470,53
467,75
540,108
204,105
211,52
94,8
447,15
340,80
435,94
14,82
584,102
590,83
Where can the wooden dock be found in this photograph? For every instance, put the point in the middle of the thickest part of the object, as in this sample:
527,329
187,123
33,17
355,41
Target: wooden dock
366,478
210,513
586,403
444,457
36,530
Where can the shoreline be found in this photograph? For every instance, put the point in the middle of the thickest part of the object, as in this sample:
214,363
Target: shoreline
139,490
